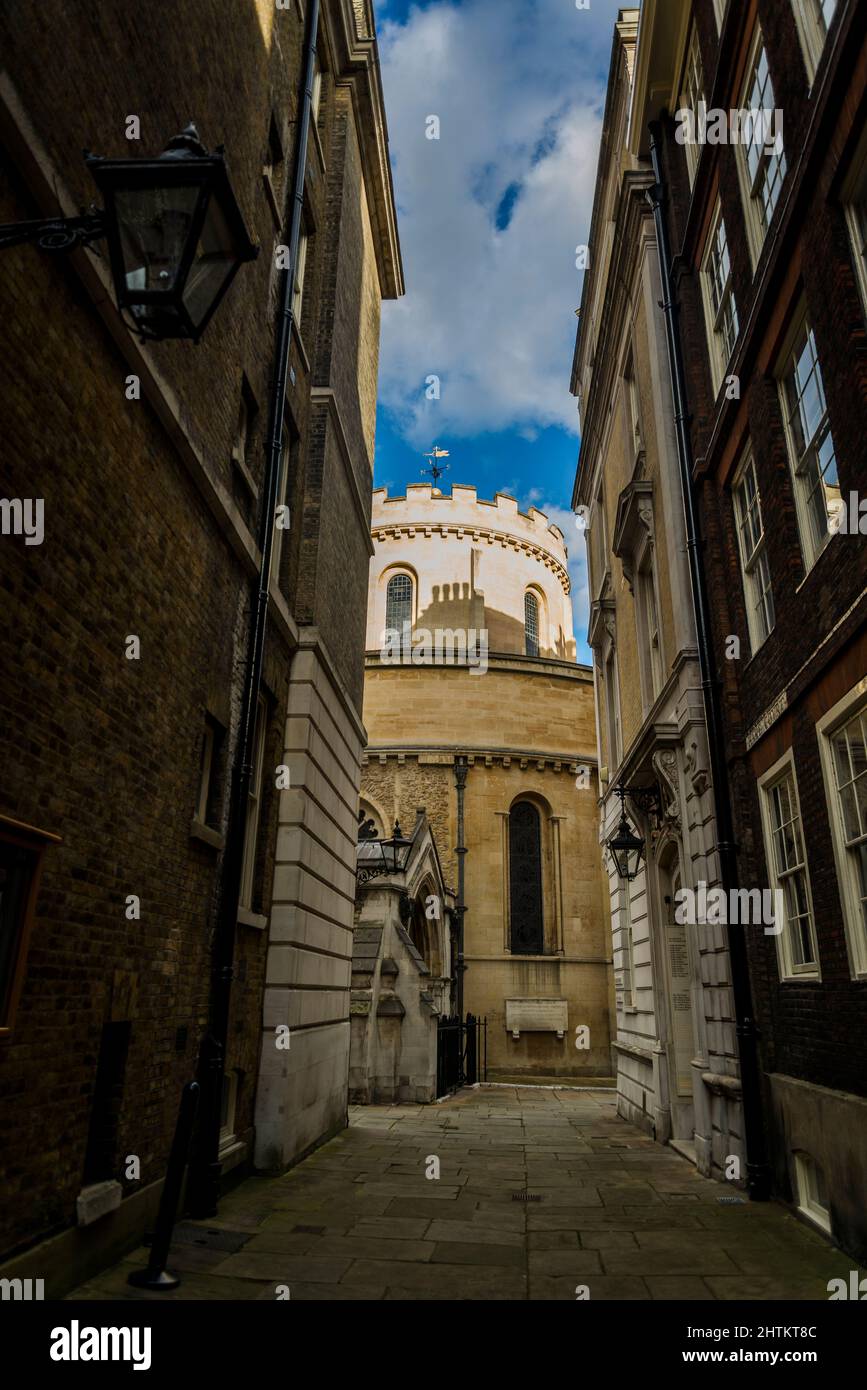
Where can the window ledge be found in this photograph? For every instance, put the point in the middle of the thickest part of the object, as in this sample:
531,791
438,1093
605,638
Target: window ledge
271,198
232,1152
97,1200
299,342
832,536
246,918
239,463
317,140
198,831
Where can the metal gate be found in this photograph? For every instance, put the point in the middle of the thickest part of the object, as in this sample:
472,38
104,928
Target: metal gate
462,1053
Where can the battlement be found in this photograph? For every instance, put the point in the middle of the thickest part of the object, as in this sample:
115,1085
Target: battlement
424,505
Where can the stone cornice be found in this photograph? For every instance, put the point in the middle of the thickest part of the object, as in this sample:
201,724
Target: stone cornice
504,663
443,755
357,62
397,530
633,216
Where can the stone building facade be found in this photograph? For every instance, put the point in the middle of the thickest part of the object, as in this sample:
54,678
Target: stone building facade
770,281
791,444
116,770
677,1064
517,707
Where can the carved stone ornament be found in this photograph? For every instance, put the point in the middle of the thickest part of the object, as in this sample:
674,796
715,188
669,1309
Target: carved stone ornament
633,526
665,766
698,775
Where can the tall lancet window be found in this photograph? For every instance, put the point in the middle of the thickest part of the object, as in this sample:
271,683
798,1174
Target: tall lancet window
398,602
531,625
525,880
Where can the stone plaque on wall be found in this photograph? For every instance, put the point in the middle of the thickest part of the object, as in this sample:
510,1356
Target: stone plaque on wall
537,1016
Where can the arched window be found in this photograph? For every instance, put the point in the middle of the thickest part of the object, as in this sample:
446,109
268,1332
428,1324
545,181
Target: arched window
398,602
525,880
531,625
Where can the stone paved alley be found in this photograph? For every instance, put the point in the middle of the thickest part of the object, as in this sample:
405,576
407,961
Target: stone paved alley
613,1210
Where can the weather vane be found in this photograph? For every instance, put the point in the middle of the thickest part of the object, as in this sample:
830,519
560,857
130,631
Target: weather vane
435,471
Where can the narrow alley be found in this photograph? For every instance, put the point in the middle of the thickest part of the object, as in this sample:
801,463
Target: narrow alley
541,1194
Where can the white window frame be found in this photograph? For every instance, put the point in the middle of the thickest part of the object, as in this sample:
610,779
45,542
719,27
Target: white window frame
755,566
715,317
649,627
254,808
806,1188
812,24
300,272
316,96
598,542
205,772
855,203
751,185
612,708
282,493
625,945
782,770
800,463
228,1133
632,405
854,926
691,93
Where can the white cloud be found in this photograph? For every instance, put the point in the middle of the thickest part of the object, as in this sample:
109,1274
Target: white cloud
518,87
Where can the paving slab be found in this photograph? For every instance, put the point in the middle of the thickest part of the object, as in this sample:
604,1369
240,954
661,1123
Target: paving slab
611,1211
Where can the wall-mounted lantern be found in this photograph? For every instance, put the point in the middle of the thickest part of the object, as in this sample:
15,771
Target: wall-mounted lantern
176,237
625,846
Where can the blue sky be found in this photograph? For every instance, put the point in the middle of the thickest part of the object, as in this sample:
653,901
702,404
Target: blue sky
490,216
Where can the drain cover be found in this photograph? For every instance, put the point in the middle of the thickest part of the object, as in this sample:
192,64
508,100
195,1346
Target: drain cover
188,1233
308,1230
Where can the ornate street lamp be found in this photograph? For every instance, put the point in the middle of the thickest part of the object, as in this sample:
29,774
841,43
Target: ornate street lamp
176,237
625,846
393,856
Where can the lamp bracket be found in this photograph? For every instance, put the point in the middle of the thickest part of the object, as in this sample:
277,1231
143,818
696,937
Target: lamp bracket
646,799
55,233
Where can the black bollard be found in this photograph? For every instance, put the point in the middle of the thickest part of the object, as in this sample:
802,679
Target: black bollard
156,1276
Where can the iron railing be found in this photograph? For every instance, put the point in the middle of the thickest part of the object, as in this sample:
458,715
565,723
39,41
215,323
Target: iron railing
462,1053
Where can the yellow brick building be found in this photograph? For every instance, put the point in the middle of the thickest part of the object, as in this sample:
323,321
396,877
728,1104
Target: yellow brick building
485,671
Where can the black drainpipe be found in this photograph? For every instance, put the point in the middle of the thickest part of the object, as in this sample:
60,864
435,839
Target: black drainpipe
461,769
758,1172
206,1167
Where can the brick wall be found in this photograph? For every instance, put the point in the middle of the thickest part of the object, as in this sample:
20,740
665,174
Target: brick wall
808,1028
104,751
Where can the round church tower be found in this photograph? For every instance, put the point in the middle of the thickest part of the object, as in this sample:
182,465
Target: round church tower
471,661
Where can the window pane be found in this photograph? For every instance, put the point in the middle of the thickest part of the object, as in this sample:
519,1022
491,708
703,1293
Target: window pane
398,604
531,625
525,880
765,158
815,461
826,10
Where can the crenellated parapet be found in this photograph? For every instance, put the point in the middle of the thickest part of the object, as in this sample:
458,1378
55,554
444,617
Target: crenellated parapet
425,511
